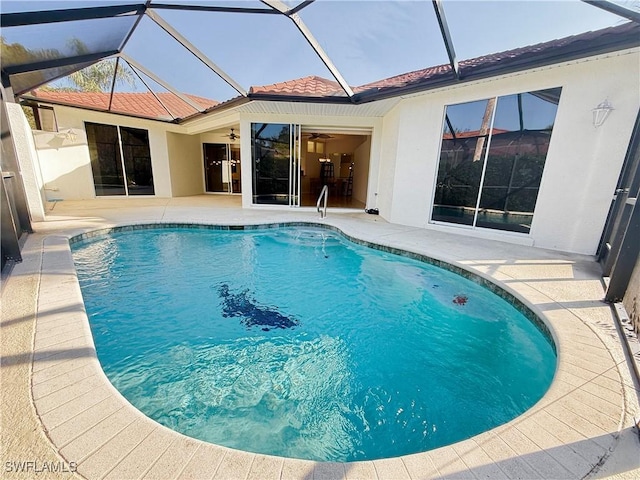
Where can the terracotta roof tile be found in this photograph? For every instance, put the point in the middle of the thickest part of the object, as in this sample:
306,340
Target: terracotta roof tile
314,86
311,86
504,59
146,105
143,104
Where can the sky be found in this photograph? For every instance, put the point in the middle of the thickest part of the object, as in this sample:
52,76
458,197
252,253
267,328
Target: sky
367,40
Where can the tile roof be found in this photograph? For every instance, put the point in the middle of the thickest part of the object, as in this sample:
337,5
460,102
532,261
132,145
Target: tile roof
522,57
314,87
141,104
519,58
311,86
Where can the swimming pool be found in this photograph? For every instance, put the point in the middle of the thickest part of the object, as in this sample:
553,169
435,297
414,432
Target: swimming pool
298,342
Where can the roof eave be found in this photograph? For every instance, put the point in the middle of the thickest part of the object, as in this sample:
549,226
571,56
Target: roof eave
503,67
238,101
97,109
220,107
275,97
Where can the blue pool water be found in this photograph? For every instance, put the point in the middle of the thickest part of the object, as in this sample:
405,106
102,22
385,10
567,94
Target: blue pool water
300,343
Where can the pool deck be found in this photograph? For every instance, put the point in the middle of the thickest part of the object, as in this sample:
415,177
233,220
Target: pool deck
61,414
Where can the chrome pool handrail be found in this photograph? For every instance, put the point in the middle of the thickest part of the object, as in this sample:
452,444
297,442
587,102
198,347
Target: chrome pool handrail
323,193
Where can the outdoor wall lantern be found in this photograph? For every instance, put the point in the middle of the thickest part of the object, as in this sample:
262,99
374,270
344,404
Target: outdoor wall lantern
69,135
601,112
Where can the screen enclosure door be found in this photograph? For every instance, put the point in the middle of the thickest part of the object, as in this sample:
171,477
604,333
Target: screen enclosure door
275,159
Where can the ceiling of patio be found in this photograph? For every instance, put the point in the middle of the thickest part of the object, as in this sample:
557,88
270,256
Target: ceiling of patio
218,50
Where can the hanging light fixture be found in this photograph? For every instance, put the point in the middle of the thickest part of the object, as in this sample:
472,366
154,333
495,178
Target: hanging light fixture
601,112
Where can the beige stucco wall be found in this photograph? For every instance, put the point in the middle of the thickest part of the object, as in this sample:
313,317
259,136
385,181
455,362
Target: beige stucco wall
66,165
361,174
25,148
582,165
185,164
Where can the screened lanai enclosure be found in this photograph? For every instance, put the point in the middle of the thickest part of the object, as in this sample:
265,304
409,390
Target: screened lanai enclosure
221,49
336,77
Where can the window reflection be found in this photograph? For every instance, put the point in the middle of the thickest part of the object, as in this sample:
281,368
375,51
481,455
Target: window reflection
520,133
464,142
110,151
137,161
271,163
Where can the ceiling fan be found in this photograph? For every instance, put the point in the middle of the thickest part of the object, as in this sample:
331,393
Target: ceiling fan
232,136
315,136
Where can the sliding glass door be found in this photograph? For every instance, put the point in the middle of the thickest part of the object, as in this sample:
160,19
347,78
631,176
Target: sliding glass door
120,160
222,168
275,156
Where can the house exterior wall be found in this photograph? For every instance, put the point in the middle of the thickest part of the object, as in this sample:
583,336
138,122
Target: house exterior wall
582,165
185,164
580,174
360,186
26,151
388,165
66,165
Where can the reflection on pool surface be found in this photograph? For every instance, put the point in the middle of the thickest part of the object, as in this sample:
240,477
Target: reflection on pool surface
300,343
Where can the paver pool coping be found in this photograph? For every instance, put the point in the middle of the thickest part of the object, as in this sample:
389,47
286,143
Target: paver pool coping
567,434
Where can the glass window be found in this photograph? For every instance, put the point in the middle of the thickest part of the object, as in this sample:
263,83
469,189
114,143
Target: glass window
464,142
119,153
106,162
137,161
47,119
492,158
40,117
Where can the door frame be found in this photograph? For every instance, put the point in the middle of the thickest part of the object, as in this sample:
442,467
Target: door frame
230,190
294,167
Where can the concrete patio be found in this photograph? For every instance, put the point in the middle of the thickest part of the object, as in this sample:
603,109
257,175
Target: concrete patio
60,413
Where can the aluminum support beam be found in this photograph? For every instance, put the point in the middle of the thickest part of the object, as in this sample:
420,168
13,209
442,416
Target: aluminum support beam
58,62
616,9
9,238
68,15
212,8
134,26
306,33
159,81
7,89
627,258
301,6
195,51
113,82
446,36
154,94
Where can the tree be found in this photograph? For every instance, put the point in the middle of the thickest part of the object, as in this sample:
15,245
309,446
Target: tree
99,77
16,54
